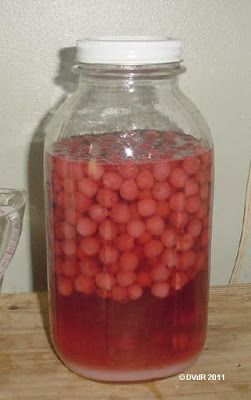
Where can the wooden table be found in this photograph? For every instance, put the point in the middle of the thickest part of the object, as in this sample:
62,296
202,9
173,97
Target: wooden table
30,370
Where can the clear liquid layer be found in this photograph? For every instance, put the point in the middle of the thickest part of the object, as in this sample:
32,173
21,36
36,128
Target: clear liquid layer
136,146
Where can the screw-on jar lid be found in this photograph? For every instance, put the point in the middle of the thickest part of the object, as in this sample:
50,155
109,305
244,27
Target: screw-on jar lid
134,50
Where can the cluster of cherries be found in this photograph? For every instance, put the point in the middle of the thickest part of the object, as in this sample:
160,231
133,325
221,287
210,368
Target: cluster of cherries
120,228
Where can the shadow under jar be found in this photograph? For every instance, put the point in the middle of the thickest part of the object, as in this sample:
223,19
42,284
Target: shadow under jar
128,177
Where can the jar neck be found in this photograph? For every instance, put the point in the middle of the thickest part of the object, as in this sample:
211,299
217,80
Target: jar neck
124,75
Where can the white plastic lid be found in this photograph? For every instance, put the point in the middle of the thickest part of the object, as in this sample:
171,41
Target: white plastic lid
134,50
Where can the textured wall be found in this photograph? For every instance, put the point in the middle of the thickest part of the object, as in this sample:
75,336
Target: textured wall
35,72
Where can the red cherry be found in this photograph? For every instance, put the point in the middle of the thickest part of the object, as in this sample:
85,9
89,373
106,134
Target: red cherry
88,187
201,176
169,257
145,180
112,180
105,281
68,247
147,207
95,170
67,230
97,213
61,167
160,273
194,227
76,170
153,248
155,225
191,188
177,201
134,291
128,171
129,190
160,289
193,204
81,202
84,284
69,185
169,237
86,226
71,216
178,178
191,165
185,242
107,198
126,278
161,191
135,228
90,245
161,170
108,230
120,213
108,254
178,219
64,286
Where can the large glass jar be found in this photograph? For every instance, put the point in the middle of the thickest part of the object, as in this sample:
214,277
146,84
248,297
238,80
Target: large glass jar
128,177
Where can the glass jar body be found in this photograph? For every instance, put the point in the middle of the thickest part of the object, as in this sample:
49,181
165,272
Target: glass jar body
128,173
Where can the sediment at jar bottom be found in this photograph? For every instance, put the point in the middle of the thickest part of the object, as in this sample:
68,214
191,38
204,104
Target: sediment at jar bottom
130,375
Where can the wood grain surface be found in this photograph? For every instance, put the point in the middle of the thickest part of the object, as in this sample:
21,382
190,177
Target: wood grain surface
29,369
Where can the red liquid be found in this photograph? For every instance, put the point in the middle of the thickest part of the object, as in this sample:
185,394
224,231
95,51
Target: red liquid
129,250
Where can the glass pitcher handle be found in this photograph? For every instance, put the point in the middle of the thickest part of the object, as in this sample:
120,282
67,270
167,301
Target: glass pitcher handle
15,227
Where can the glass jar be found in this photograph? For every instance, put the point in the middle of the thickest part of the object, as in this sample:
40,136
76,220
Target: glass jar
128,178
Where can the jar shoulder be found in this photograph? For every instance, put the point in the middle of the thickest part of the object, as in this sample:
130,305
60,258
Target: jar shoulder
194,121
92,113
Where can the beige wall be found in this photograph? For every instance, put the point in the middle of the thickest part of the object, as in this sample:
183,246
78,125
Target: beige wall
217,40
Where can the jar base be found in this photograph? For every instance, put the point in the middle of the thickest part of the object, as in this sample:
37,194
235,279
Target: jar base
129,375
